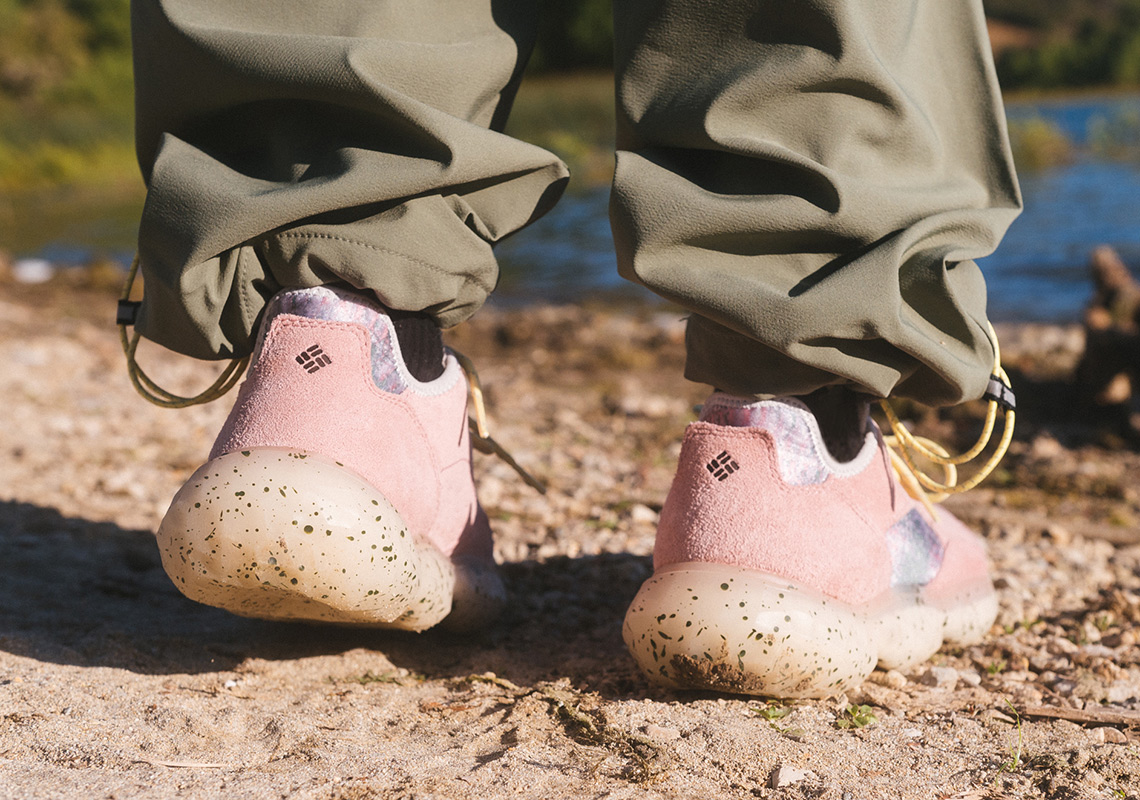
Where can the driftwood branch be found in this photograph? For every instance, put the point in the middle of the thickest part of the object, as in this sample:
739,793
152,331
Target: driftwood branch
1086,716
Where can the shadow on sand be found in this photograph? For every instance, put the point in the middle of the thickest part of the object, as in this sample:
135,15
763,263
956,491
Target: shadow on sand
84,593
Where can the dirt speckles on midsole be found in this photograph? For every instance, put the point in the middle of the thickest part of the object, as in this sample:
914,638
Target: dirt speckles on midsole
281,534
714,626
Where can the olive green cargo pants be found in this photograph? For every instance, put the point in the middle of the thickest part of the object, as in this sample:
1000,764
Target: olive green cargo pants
811,178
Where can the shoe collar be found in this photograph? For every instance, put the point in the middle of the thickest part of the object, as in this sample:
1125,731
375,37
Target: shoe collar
334,304
788,417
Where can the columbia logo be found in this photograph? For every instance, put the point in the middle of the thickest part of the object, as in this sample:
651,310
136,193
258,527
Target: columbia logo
313,358
722,466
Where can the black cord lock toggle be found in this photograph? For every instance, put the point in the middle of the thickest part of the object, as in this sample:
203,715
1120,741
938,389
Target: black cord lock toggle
127,312
1000,392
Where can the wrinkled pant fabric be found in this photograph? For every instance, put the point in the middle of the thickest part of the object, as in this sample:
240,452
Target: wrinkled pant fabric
812,179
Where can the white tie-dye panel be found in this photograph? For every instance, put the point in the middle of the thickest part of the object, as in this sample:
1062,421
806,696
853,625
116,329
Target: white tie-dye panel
796,454
335,305
916,551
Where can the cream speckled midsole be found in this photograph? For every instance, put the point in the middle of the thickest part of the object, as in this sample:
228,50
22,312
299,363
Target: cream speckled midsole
739,630
281,534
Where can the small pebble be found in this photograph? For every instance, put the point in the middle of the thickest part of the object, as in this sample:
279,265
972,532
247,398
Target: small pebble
1121,639
1017,676
970,677
642,514
1007,582
1106,735
1064,687
784,775
1059,534
651,406
892,679
32,270
1093,778
1121,692
659,733
1045,447
1059,645
940,677
1013,533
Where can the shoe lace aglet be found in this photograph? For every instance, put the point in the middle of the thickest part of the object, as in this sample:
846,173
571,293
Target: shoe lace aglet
487,445
481,438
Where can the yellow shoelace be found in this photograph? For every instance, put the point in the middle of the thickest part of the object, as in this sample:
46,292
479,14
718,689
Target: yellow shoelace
481,438
480,434
903,445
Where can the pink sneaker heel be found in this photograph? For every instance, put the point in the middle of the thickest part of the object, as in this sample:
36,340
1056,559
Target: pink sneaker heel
782,572
282,534
340,488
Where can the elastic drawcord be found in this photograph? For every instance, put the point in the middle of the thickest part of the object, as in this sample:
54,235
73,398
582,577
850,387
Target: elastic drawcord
480,435
904,444
142,382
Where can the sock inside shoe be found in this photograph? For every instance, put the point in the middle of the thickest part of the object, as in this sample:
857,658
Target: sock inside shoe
842,417
841,413
421,344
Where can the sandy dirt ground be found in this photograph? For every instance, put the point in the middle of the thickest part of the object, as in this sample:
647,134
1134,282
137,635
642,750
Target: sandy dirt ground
112,685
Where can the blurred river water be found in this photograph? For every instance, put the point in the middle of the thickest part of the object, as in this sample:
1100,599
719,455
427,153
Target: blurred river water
1038,274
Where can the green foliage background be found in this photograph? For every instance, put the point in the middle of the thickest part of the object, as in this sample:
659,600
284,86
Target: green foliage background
1079,43
574,35
65,91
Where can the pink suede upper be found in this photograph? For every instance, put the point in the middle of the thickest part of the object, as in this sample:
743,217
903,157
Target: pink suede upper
830,535
412,446
965,567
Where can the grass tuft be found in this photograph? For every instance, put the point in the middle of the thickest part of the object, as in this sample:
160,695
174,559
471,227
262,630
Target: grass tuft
855,717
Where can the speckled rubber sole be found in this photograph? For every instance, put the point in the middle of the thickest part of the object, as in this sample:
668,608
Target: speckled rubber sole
731,629
280,534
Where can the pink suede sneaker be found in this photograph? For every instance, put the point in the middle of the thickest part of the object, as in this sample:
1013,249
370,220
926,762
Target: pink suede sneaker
779,571
340,488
